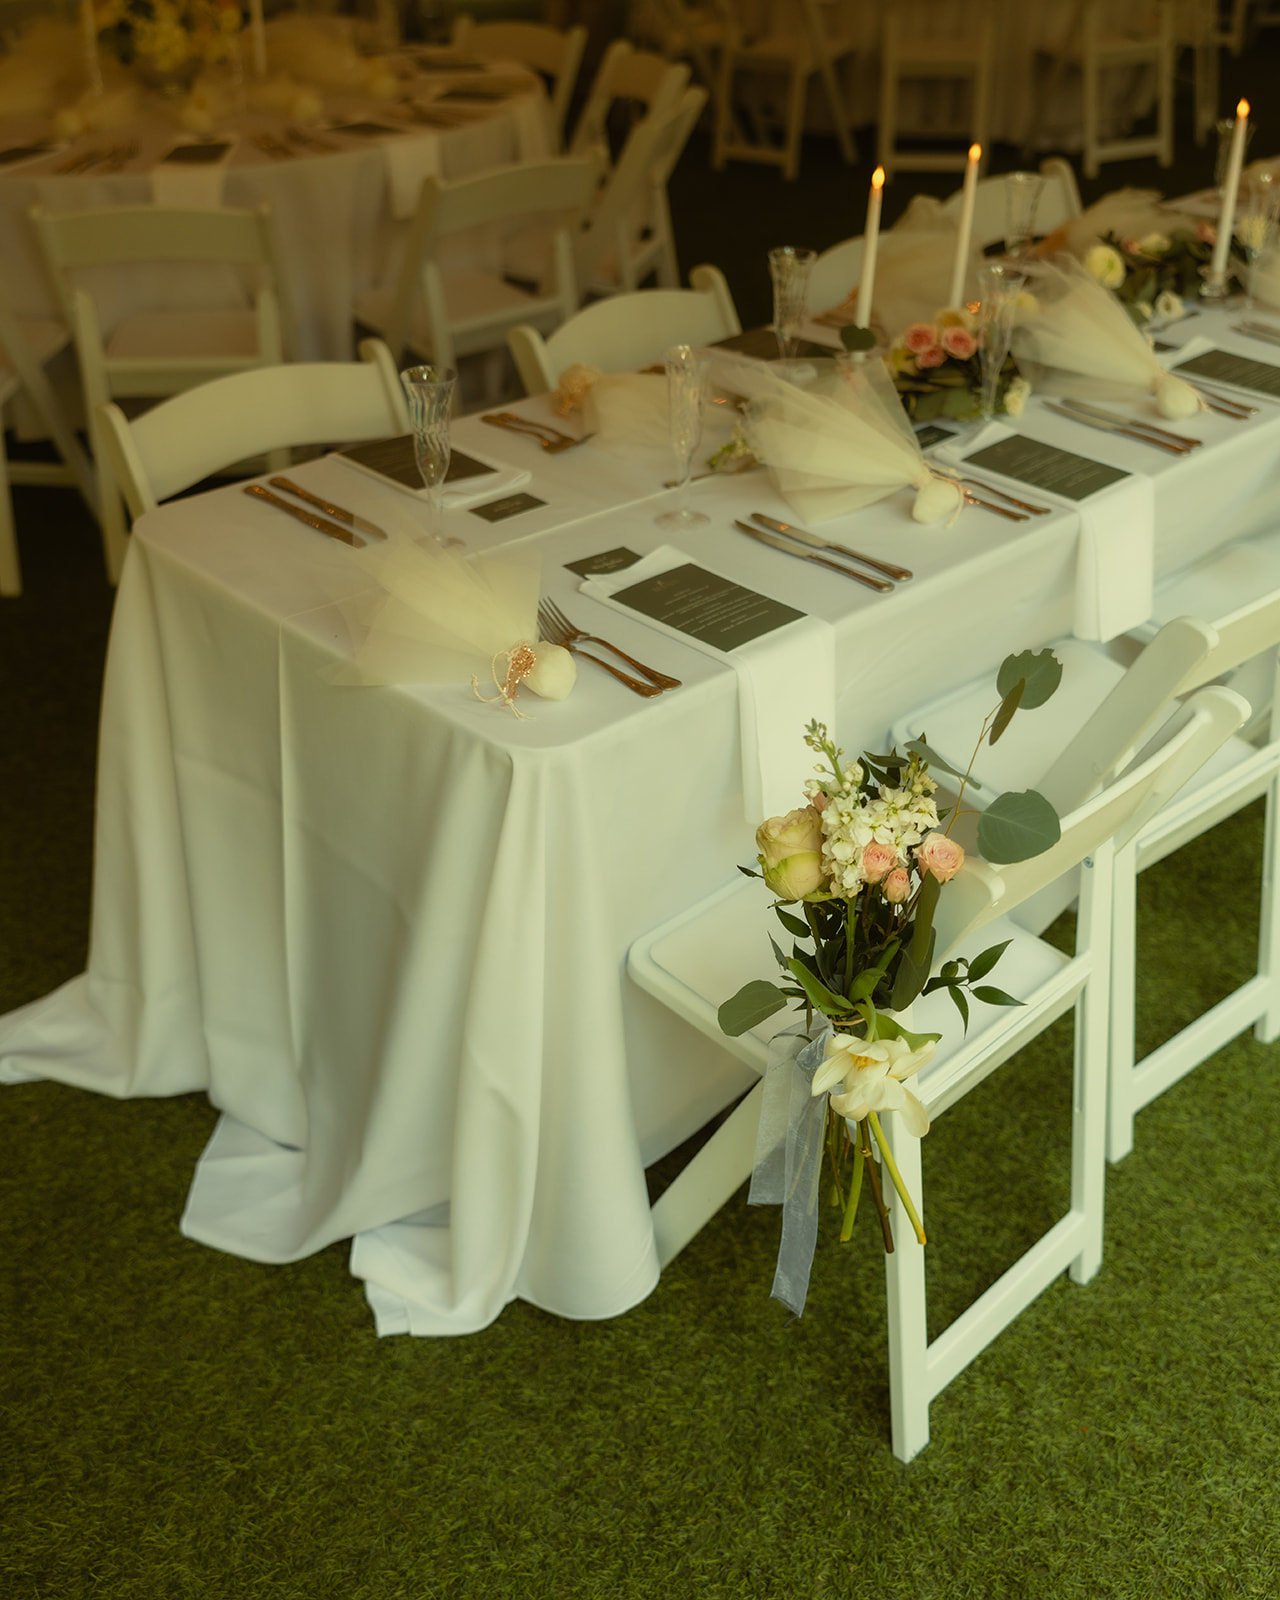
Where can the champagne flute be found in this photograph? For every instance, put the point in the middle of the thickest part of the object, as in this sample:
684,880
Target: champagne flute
789,268
686,389
1022,191
1256,224
999,285
430,394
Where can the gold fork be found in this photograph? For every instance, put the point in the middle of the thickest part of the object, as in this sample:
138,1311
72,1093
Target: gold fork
552,634
550,617
551,439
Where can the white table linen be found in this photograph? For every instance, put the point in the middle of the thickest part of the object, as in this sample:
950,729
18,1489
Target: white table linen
384,929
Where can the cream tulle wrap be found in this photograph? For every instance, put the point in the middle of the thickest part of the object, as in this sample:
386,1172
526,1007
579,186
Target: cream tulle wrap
436,616
836,445
1072,336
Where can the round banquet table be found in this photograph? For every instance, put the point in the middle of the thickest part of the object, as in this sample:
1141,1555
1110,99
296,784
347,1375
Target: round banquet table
340,203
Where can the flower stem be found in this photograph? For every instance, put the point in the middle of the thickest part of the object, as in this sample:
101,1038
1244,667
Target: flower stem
855,1188
898,1184
874,1179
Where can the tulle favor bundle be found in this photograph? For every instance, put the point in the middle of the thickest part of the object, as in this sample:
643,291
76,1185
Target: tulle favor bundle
838,444
1071,336
438,617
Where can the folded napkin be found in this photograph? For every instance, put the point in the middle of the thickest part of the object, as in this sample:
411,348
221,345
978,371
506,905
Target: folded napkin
198,185
409,161
785,679
1072,336
836,444
1115,549
502,479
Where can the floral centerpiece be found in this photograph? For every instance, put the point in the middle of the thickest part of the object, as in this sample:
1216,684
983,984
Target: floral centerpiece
1154,275
168,36
937,370
865,860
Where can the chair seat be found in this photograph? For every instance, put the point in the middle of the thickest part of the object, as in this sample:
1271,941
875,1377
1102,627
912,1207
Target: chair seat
184,336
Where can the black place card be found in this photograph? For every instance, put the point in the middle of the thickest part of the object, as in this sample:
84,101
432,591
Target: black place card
511,505
1045,466
930,433
762,344
607,561
475,91
197,155
707,607
394,459
367,130
23,152
1222,367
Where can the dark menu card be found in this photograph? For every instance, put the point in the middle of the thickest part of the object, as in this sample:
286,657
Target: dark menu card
1046,467
1245,373
394,459
707,607
762,343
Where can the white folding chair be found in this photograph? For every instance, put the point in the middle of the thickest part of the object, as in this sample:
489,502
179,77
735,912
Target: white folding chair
159,352
801,50
909,53
698,960
1059,202
627,233
628,331
202,430
835,275
27,345
678,31
442,313
555,54
1207,28
636,78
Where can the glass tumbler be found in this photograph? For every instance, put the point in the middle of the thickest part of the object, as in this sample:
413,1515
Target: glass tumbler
430,393
789,268
687,373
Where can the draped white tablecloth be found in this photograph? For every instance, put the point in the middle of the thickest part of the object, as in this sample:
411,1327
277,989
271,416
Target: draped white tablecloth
335,213
385,929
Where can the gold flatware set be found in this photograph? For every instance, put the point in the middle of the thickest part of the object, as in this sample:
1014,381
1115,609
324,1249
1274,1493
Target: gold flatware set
557,629
552,440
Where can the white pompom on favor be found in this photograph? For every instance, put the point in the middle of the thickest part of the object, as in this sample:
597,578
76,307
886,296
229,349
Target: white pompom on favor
937,500
1175,398
555,672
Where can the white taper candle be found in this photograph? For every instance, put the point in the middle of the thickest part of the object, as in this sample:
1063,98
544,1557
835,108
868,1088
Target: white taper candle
965,233
870,245
1230,190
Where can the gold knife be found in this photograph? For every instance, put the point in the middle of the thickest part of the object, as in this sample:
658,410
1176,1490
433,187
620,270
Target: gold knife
806,555
338,513
333,529
900,574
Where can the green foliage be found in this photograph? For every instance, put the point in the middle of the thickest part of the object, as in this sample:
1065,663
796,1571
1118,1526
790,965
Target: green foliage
752,1005
1039,671
1017,826
854,338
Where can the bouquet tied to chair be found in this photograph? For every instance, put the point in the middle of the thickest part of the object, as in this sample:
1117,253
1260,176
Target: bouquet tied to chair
864,863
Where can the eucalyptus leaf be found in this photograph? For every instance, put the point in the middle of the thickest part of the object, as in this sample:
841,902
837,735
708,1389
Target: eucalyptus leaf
749,1007
1042,671
959,403
1017,826
929,405
1010,703
857,338
932,759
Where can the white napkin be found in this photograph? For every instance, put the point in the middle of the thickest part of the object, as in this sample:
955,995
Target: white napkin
409,161
785,680
174,183
1115,551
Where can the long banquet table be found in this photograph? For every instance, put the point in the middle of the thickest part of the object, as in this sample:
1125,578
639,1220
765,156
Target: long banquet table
385,929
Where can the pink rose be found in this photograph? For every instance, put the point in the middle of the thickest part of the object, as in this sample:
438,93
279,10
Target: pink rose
958,342
877,860
920,336
1131,247
933,357
941,856
1206,233
897,886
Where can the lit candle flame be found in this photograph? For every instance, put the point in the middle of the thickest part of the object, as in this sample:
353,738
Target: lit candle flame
975,152
1242,110
877,178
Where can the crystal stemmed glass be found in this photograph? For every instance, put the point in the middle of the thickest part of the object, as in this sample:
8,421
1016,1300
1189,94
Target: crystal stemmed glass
430,393
1256,224
686,390
999,284
1022,191
789,268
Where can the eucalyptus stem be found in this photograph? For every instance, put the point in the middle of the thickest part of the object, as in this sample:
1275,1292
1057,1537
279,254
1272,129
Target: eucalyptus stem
898,1184
874,1179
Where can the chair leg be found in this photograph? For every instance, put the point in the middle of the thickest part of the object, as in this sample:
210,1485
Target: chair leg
1164,116
835,104
905,1286
10,571
1267,1028
1089,1089
795,122
1121,1050
1089,89
723,101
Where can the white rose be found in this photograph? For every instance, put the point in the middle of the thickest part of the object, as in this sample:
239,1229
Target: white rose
1106,265
1015,396
1168,305
1154,244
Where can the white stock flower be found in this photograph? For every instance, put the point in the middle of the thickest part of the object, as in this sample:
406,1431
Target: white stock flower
1168,305
864,1077
1252,230
1015,396
1106,265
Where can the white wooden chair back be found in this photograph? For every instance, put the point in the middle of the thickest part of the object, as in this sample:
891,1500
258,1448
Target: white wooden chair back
194,434
628,331
558,189
637,76
835,274
554,53
1059,202
628,233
